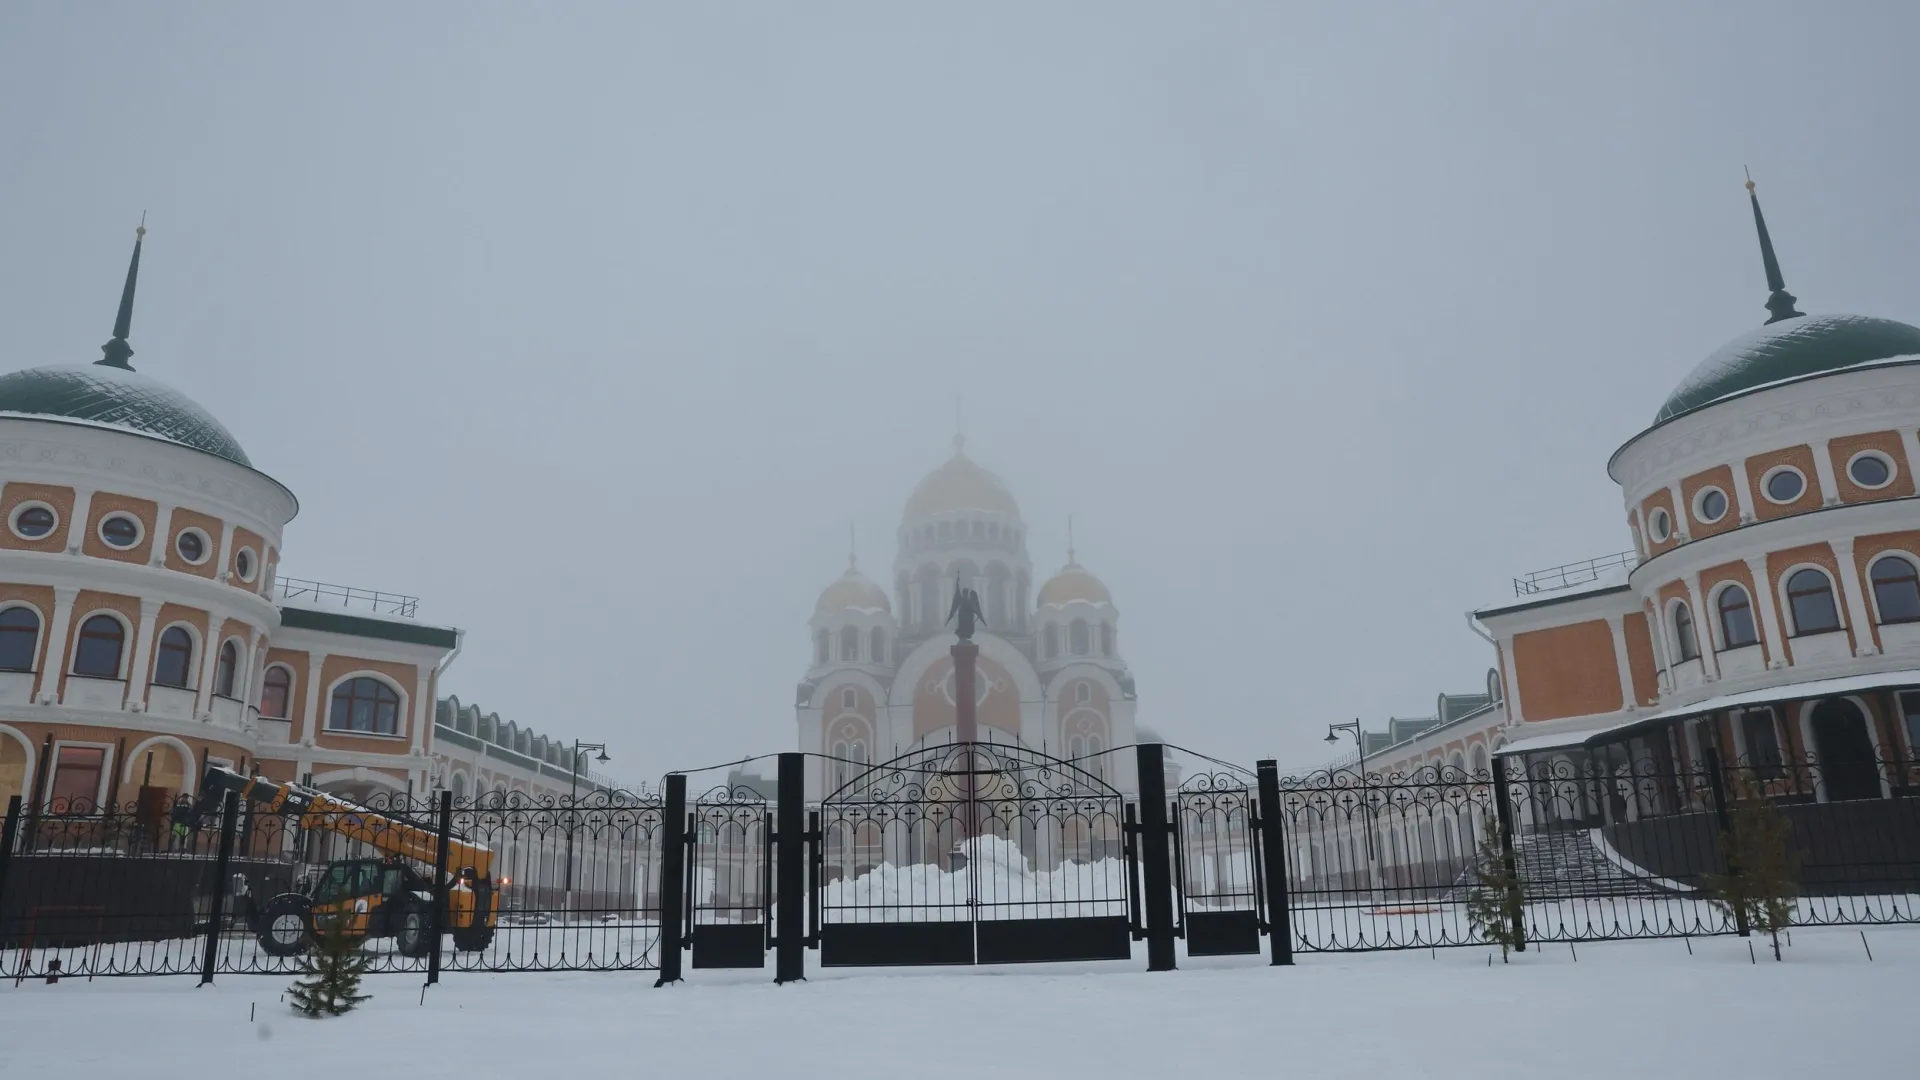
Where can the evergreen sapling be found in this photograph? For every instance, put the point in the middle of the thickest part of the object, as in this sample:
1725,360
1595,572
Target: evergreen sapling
1761,884
331,970
1496,902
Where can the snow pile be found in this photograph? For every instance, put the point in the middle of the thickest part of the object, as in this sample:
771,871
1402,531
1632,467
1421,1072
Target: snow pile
997,874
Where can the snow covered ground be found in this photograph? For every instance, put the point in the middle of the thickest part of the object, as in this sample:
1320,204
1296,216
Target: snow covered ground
1620,1009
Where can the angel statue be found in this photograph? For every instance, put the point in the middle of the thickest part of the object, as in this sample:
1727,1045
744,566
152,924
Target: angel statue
966,608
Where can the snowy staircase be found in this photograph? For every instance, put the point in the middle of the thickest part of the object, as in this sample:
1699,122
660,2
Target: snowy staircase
1568,864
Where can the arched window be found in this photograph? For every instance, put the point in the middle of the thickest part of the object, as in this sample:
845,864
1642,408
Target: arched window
1810,599
821,643
275,690
849,645
1896,590
98,654
1479,760
877,646
1684,637
1050,641
1106,639
849,698
930,610
1079,638
19,640
365,705
224,669
1082,692
173,664
1736,618
459,788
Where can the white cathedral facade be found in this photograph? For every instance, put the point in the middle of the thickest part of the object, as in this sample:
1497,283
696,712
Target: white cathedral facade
1050,674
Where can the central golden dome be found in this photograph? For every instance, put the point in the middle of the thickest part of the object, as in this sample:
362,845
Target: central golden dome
959,485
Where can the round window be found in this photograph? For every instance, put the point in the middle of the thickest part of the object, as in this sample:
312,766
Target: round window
1785,485
1711,506
192,546
243,564
1870,471
34,521
120,531
1660,525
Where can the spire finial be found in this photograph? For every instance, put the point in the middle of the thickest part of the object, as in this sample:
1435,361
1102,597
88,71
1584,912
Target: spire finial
853,553
117,351
959,428
1779,301
1071,561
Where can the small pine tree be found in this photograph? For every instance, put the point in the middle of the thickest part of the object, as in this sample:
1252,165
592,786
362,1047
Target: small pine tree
331,971
1496,902
1763,866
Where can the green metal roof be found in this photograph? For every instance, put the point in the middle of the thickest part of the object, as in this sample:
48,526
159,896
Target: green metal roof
120,397
334,622
1792,348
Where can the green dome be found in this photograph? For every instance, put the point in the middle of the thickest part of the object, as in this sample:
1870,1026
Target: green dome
103,394
1790,349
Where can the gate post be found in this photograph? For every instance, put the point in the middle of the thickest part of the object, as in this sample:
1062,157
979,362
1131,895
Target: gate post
1503,812
440,890
790,871
9,835
1717,787
673,873
229,823
1273,849
1156,868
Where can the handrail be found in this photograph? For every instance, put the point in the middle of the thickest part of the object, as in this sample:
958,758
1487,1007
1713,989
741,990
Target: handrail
374,600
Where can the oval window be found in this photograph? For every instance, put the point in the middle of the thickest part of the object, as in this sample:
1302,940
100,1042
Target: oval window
1661,526
1870,471
191,546
243,564
1712,506
1785,486
34,522
120,531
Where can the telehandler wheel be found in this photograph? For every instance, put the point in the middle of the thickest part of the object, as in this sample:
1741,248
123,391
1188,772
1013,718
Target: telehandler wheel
286,925
479,935
413,930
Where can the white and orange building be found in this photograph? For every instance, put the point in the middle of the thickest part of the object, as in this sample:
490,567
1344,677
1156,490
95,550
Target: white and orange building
145,630
1050,678
1770,606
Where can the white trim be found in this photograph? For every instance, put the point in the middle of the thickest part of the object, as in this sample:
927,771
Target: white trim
188,784
26,776
206,545
1823,472
126,634
13,519
1700,497
1719,628
252,558
1766,484
1873,735
1660,525
198,652
402,715
358,774
1893,470
235,691
293,679
1786,605
139,529
1742,491
39,635
1872,595
107,764
1673,623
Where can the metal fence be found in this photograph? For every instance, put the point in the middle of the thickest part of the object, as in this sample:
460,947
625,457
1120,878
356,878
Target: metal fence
160,890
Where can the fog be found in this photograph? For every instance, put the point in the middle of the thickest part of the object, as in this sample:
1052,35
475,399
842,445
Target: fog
595,326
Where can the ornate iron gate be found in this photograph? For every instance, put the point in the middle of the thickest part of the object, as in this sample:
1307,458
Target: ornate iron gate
1217,865
973,853
729,879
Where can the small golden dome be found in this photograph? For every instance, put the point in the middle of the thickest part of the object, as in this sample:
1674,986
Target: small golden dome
853,591
1073,582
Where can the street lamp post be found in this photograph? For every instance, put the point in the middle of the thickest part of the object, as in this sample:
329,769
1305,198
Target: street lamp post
573,800
1366,797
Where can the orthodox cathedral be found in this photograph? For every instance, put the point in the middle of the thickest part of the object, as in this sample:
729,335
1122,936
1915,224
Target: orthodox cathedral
1050,674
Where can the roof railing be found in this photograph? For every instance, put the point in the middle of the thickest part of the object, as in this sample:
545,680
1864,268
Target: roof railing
346,596
1579,573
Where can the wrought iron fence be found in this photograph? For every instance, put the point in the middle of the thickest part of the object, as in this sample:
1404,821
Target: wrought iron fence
1601,847
561,885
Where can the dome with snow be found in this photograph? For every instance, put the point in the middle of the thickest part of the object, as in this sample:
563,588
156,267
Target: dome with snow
1073,582
120,397
1792,348
958,486
852,591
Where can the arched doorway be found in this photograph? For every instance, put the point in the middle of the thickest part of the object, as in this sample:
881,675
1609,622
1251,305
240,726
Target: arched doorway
1844,751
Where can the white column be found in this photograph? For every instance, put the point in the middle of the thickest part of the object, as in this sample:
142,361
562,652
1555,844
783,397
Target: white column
162,531
256,667
1859,614
1823,468
137,681
59,631
422,710
1701,641
1769,613
1742,491
1662,657
1514,713
209,660
77,523
1682,518
314,721
226,551
1910,439
1618,624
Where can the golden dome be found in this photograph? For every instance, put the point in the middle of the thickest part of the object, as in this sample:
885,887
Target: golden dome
1073,582
855,591
960,484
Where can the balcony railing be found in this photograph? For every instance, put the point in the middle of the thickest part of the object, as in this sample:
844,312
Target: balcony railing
319,592
1565,577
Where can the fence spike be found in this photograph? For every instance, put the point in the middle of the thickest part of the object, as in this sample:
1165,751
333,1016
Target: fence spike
1864,945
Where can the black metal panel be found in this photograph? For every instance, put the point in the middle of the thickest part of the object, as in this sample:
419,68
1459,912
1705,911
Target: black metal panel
1223,933
896,944
1030,941
716,946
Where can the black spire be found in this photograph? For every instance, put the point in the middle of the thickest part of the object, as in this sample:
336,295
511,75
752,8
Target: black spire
1780,302
118,351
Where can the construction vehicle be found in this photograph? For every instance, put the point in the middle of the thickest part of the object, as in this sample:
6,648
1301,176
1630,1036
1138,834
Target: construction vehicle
390,896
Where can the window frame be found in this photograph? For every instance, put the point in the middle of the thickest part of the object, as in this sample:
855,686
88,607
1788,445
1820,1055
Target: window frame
1699,505
1660,525
1766,484
39,631
139,529
1720,610
1686,633
347,682
13,520
161,650
1764,767
1910,719
226,673
1912,578
80,637
252,559
107,765
1893,470
1833,600
286,703
206,545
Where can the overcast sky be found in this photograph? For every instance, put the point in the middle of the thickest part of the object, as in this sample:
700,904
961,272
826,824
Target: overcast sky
594,326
